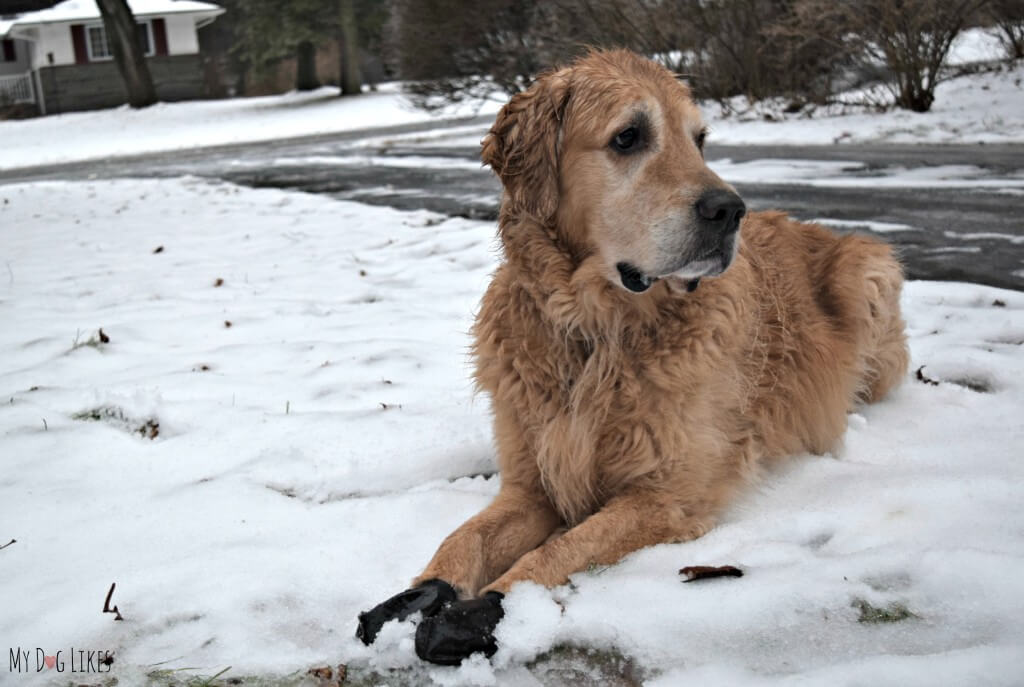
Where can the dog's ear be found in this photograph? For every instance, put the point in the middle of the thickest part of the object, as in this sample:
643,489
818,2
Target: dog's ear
522,146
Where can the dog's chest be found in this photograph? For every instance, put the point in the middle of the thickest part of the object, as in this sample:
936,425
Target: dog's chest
587,432
593,417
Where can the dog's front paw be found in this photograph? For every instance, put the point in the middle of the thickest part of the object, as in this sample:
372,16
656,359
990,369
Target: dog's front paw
460,629
427,597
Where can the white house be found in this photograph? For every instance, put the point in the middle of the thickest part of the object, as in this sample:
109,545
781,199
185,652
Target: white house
59,57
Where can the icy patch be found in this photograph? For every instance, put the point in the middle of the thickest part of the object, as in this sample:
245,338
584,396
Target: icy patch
983,235
453,136
871,225
848,174
412,161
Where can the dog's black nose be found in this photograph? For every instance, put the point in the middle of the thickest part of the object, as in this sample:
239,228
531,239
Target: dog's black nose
720,210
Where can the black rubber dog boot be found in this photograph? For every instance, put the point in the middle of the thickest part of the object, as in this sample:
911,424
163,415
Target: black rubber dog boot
460,629
428,597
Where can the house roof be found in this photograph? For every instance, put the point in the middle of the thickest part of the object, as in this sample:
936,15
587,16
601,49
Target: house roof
20,6
84,10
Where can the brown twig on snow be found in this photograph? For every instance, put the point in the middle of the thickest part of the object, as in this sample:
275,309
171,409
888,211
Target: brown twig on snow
704,572
927,380
13,541
106,604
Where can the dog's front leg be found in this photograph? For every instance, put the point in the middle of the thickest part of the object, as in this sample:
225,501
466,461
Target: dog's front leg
630,521
518,520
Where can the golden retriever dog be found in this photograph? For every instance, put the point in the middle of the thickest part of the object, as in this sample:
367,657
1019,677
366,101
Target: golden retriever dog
647,344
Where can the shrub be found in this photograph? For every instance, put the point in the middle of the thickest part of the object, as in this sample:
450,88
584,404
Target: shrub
1008,16
911,38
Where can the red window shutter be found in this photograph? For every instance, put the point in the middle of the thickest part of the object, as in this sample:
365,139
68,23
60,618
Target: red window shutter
160,36
9,54
78,38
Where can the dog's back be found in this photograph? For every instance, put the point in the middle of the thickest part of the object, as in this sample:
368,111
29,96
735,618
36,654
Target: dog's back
829,333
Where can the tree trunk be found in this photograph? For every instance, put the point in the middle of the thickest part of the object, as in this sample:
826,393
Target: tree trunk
123,37
305,73
351,81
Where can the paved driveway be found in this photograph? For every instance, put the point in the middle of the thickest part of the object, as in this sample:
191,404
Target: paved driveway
955,212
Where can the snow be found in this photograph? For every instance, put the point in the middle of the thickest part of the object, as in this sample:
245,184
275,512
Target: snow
393,161
178,126
976,45
878,227
312,455
986,107
850,174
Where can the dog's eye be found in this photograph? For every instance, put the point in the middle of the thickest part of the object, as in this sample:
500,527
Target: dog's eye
700,140
626,141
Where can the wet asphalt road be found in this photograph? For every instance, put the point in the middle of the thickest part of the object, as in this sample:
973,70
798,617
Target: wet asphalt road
971,233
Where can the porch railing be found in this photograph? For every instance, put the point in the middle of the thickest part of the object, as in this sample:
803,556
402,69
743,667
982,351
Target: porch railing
17,89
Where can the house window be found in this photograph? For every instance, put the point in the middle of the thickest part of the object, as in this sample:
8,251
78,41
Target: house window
99,47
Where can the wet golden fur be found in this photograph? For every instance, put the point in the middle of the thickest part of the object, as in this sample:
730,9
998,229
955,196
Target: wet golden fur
624,420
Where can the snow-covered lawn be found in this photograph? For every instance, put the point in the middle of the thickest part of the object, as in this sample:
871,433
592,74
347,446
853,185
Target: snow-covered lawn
280,430
177,126
977,108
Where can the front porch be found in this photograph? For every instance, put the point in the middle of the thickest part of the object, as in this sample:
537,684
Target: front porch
17,89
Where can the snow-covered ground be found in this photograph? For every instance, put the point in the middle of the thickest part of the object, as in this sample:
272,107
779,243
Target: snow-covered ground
976,45
177,126
971,109
280,430
978,108
986,107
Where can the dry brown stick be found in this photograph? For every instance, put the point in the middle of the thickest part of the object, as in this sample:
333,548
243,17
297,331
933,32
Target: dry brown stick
106,604
703,572
921,377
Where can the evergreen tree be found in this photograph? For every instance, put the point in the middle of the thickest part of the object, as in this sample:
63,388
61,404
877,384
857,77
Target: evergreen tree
268,31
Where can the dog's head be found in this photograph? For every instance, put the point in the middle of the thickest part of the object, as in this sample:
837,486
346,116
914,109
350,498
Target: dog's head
609,151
